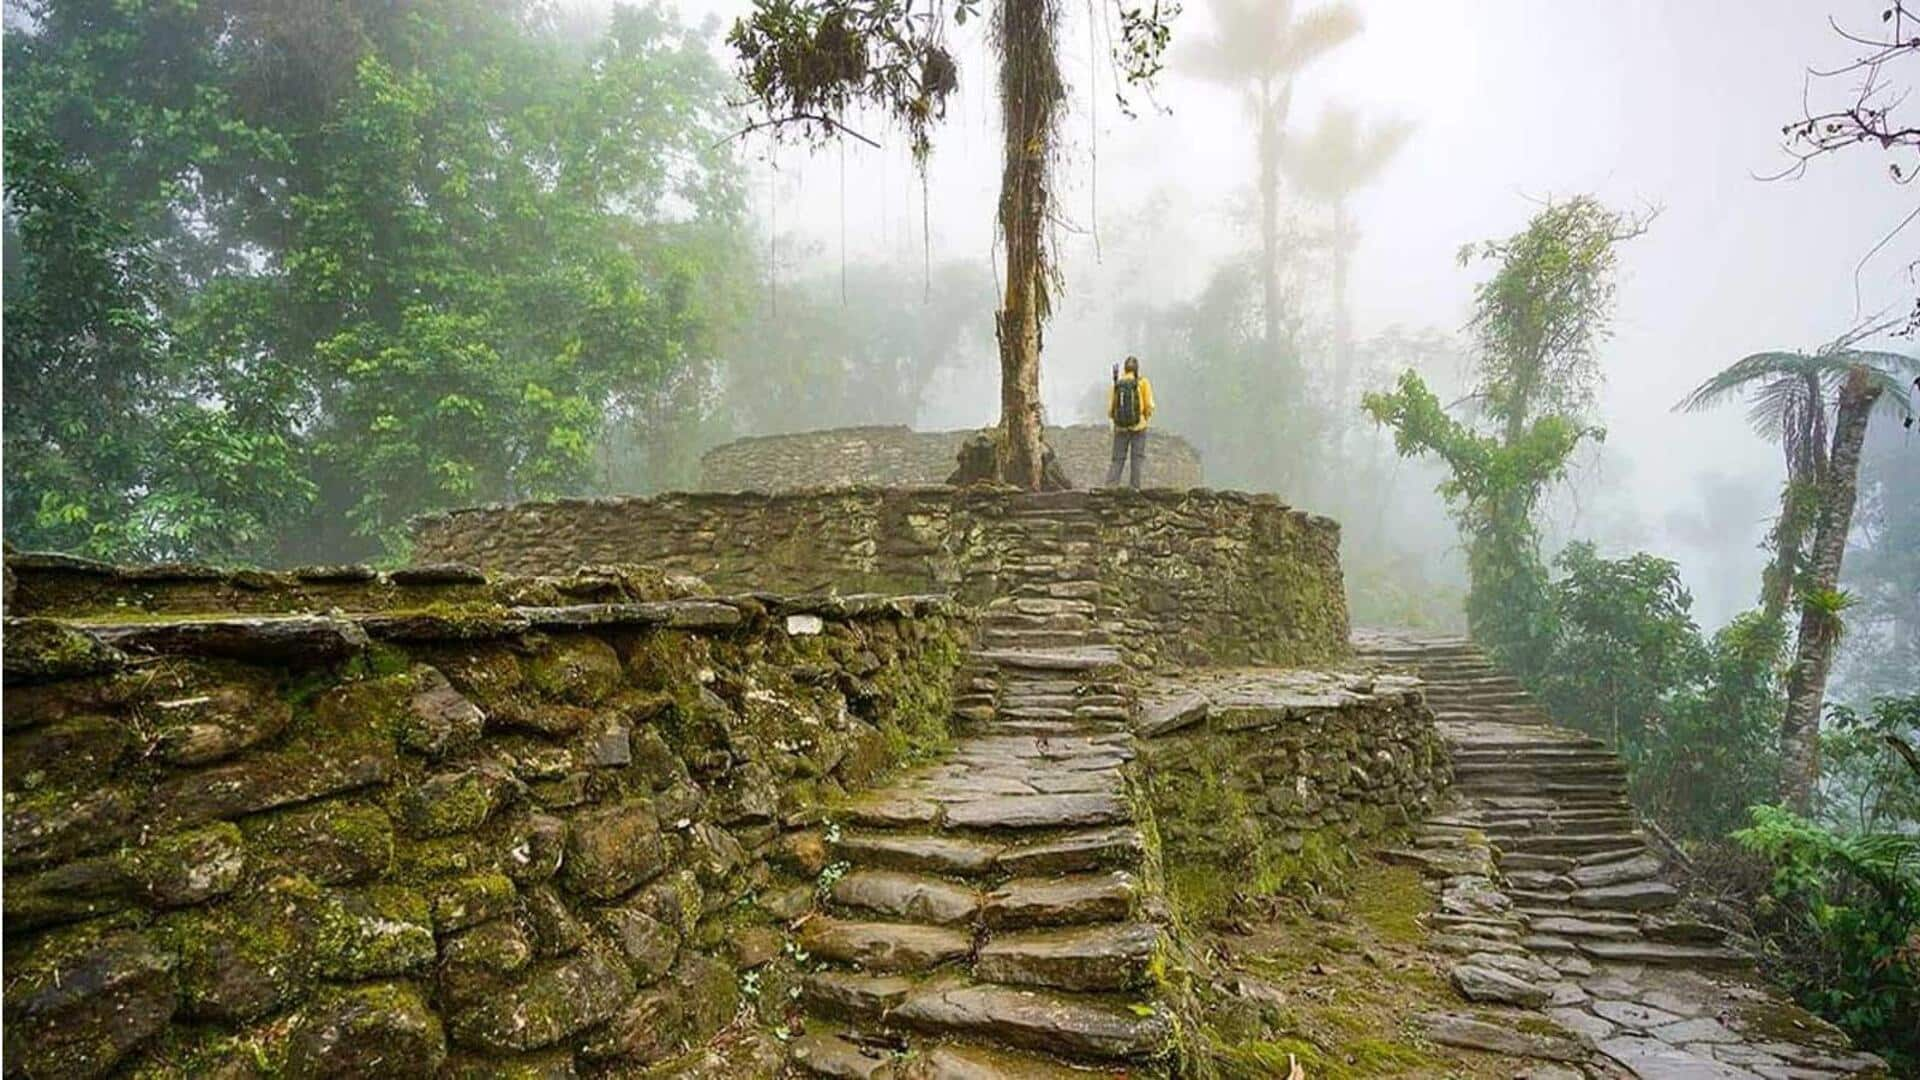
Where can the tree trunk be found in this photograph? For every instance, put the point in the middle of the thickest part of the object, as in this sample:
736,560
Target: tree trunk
1273,116
1819,625
1789,537
1030,97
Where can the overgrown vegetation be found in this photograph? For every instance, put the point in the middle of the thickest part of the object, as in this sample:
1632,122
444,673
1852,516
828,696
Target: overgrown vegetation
279,277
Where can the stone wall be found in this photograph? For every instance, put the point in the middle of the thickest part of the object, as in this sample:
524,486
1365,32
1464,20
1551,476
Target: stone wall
902,457
460,839
1188,576
1261,781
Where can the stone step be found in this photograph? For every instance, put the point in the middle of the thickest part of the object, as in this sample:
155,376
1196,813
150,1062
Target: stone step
1106,956
883,946
1085,851
1023,812
997,638
1093,658
827,1054
1027,1018
956,1061
1027,902
1572,845
1629,896
1075,726
1620,871
953,856
1568,926
906,897
1653,952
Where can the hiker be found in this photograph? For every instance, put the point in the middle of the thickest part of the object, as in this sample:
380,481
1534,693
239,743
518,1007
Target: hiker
1129,406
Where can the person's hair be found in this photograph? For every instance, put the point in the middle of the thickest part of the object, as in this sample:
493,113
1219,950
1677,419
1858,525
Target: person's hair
1133,365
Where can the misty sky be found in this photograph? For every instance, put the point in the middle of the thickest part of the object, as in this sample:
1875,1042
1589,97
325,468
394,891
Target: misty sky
1677,105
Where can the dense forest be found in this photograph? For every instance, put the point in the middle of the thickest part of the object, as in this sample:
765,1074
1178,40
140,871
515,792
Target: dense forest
280,276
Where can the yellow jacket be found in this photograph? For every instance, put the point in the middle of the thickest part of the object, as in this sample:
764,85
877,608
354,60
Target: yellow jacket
1146,402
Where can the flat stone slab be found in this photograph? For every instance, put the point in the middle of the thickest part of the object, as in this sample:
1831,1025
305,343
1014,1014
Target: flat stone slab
933,854
1639,868
1654,952
851,994
1470,1033
824,1054
1631,896
1567,926
1094,849
1037,1020
952,1062
908,897
1039,811
886,947
1107,956
1054,901
1651,1057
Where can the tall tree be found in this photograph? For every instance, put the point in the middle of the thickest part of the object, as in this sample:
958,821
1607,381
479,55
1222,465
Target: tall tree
1338,158
810,61
1260,47
1790,394
1537,322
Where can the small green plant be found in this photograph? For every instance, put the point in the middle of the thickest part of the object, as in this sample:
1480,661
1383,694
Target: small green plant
829,877
1842,919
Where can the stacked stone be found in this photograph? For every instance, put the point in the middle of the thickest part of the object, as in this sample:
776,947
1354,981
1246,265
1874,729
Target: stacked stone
1299,757
463,839
991,915
1554,900
901,457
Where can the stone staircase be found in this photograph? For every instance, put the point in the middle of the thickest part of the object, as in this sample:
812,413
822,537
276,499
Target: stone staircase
1577,866
988,916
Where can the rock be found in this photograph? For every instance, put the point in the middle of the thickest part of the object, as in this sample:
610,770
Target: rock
336,844
440,573
1481,983
1100,849
55,826
556,1000
906,897
804,625
877,946
1650,1057
554,928
458,903
264,782
1630,896
1469,1033
1638,868
79,1000
377,1030
381,930
610,744
1104,956
438,719
1629,1014
824,1054
298,641
45,650
237,961
851,995
575,669
187,868
1036,1020
613,850
499,947
648,944
932,854
1088,898
457,802
203,728
755,946
538,846
954,1062
1681,930
1166,715
804,851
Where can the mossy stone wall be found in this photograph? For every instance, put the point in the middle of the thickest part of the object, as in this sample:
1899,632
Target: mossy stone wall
901,456
1264,782
454,841
1187,576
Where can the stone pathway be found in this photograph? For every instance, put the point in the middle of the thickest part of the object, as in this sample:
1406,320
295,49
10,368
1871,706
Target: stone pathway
985,917
1555,901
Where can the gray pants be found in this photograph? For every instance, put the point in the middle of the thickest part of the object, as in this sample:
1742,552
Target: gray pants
1128,444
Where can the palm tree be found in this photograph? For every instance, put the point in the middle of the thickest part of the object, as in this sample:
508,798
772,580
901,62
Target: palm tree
1259,46
1338,158
1789,394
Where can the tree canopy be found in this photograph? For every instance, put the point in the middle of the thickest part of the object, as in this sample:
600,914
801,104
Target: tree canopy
361,262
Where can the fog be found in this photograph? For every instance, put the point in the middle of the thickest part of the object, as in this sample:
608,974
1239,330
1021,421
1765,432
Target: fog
1644,104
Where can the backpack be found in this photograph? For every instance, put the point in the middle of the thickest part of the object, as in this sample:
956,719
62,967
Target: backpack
1126,403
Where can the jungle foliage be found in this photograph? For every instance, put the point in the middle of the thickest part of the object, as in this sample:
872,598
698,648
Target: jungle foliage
280,276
